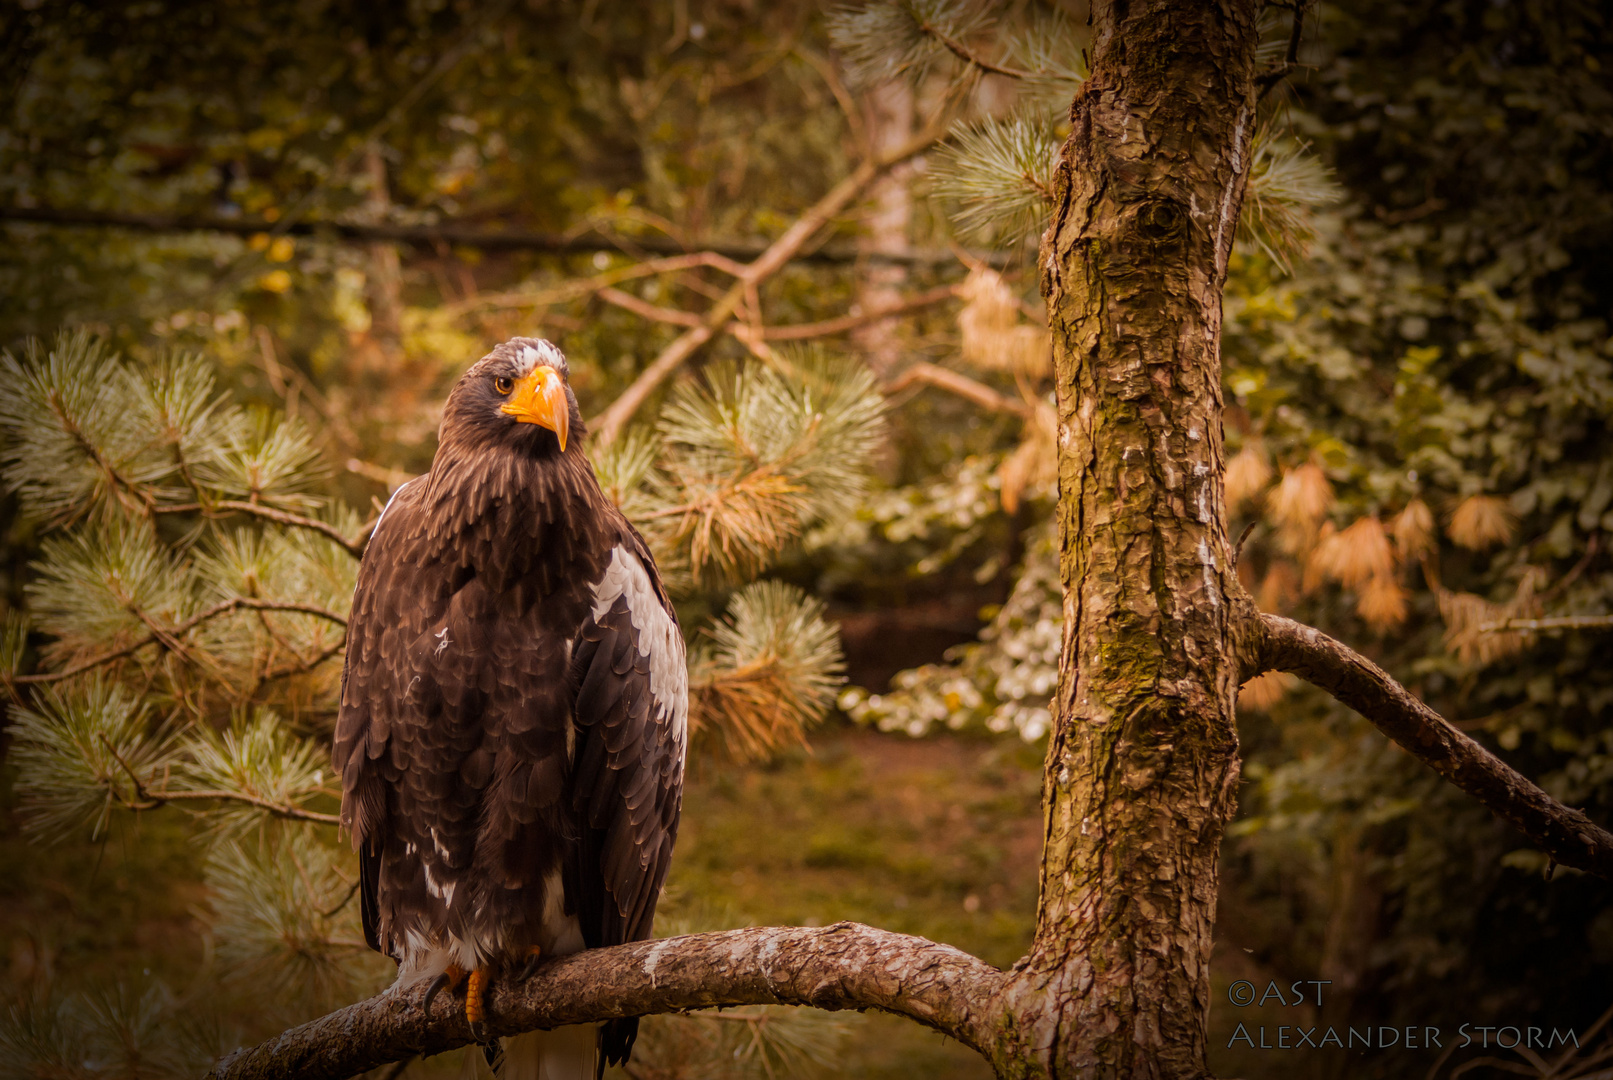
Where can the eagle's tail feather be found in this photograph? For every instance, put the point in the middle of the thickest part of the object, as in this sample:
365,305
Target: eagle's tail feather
566,1053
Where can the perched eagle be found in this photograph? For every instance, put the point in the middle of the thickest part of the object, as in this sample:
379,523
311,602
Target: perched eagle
514,710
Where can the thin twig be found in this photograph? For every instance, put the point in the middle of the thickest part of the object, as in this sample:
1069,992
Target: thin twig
957,48
1563,622
151,800
1268,79
354,548
803,331
434,237
956,383
610,423
302,667
222,607
647,310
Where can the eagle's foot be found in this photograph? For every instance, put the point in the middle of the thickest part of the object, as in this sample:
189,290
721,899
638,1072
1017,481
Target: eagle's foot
451,977
475,1007
533,955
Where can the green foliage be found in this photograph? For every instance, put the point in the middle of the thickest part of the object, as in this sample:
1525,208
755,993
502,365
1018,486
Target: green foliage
997,174
1003,682
749,460
770,670
76,749
891,39
112,1034
286,918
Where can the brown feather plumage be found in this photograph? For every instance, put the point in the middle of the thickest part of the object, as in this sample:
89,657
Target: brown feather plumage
497,739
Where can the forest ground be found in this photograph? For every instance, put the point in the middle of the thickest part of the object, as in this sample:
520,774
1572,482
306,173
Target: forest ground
937,836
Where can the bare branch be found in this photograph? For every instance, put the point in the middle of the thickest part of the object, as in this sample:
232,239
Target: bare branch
846,323
962,385
845,966
609,424
646,310
1563,622
1563,833
433,238
283,810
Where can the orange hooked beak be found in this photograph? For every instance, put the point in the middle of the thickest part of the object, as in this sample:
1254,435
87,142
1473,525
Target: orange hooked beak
540,398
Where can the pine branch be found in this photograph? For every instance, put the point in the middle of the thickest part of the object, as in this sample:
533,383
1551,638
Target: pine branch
146,799
1265,80
608,425
303,666
957,48
1563,833
162,635
354,547
844,966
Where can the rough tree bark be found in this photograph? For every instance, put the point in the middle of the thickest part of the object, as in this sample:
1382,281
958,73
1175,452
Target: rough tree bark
1142,761
1142,766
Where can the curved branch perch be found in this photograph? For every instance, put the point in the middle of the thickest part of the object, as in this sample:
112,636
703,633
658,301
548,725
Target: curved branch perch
845,966
1563,833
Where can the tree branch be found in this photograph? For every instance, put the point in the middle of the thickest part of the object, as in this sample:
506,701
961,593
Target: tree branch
609,424
1562,622
804,331
845,966
151,800
957,49
956,383
433,237
354,547
157,634
646,310
1265,80
1563,833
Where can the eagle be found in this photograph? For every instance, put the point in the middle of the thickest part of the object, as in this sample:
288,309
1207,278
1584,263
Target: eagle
514,711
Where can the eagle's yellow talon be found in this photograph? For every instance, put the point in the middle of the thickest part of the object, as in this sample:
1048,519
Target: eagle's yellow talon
475,1009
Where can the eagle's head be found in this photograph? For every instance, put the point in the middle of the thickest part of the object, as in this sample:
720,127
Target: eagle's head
517,396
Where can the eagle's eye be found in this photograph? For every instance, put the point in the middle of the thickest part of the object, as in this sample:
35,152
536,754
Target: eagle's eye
504,384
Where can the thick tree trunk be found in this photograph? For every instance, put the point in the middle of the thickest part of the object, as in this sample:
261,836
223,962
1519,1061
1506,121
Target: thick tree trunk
1142,767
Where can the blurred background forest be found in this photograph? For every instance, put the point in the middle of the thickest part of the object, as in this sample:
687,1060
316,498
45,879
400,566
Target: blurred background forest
249,247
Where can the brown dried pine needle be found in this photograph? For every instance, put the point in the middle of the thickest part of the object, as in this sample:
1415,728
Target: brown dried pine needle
1383,602
1414,531
1357,555
1482,521
1247,474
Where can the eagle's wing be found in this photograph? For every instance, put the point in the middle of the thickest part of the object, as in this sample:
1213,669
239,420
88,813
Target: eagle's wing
361,732
631,712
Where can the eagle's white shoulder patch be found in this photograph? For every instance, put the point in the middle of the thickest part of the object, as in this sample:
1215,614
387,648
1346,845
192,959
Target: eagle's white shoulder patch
389,502
658,636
